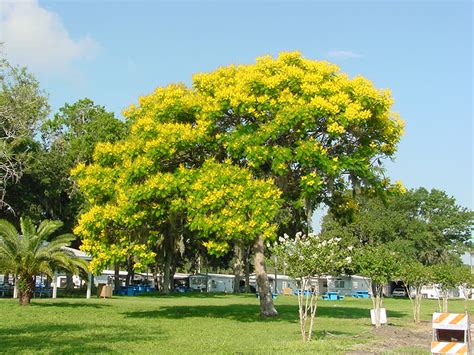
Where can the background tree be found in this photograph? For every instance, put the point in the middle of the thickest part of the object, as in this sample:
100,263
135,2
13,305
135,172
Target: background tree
414,276
35,251
466,284
447,277
380,265
423,225
23,106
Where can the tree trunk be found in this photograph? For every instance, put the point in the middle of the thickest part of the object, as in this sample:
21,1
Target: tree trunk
26,290
172,272
69,282
445,301
167,267
166,275
266,302
238,260
156,277
275,281
377,302
418,307
15,286
117,283
247,270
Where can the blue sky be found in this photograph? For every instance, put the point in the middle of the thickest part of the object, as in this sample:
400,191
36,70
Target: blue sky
115,51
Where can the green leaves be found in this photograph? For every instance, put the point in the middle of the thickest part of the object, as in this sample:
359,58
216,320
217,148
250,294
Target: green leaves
378,263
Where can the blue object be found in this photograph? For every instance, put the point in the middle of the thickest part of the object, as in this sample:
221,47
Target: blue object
298,292
332,296
361,294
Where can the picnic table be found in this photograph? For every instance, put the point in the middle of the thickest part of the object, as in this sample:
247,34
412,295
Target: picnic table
134,290
361,294
332,296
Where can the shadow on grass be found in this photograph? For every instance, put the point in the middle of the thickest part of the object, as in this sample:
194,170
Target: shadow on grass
237,312
70,338
334,311
187,295
65,304
250,313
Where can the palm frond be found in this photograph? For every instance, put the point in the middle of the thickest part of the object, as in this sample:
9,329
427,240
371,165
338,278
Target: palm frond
47,227
7,230
27,227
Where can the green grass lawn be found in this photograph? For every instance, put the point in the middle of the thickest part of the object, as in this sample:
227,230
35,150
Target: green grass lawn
202,323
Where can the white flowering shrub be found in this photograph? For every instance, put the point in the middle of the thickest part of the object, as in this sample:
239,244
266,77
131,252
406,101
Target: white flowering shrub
310,255
305,258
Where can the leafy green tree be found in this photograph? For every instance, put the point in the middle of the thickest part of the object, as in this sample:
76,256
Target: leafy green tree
23,106
447,276
33,251
380,265
423,225
306,257
466,283
45,189
415,275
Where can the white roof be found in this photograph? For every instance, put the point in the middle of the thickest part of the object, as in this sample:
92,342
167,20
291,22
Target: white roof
78,253
216,276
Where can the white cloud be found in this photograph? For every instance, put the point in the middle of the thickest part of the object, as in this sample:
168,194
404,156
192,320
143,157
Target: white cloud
343,54
36,37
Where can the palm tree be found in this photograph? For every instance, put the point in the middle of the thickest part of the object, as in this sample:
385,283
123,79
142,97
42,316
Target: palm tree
34,251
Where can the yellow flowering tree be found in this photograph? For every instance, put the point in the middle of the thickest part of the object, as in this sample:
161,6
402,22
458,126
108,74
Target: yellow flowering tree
305,123
299,124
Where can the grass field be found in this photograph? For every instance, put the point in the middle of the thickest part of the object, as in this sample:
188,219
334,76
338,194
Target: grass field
205,323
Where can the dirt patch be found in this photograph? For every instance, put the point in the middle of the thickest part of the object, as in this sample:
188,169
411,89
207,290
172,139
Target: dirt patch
390,337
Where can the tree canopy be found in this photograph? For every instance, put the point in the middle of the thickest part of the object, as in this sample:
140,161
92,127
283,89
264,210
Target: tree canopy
296,124
423,225
23,106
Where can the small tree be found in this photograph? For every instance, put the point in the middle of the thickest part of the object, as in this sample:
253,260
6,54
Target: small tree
447,277
414,276
465,283
28,254
305,258
380,265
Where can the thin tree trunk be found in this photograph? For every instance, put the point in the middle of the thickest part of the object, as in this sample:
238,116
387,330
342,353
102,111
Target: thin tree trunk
418,298
445,301
377,302
166,273
172,272
247,270
238,260
117,283
156,277
15,286
266,302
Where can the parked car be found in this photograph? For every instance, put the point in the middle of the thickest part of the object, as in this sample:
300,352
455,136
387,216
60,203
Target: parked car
399,292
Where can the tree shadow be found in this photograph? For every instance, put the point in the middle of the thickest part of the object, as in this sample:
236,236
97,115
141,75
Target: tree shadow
70,338
184,295
334,311
251,313
64,304
239,312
